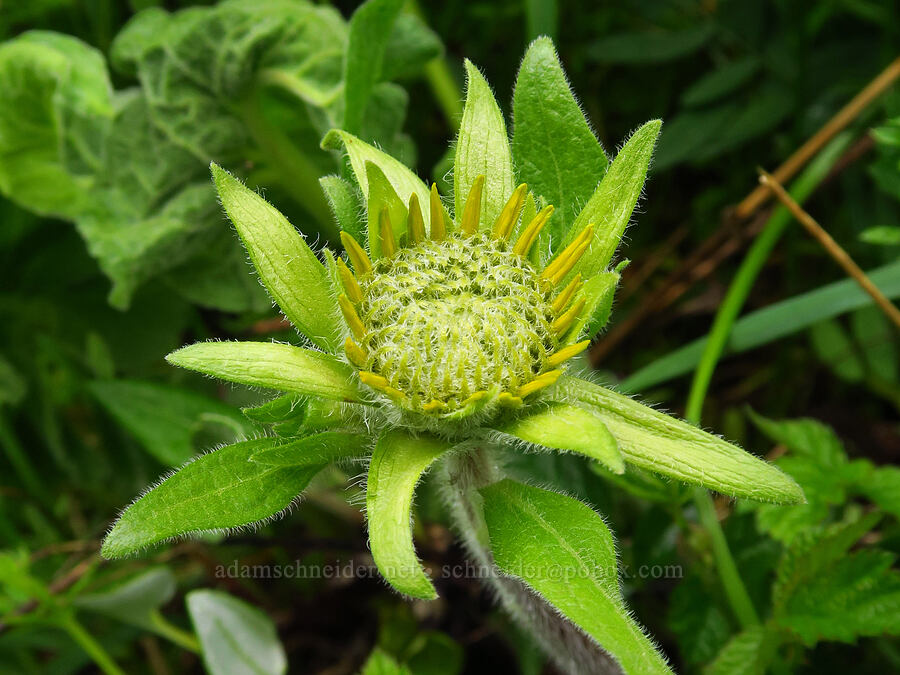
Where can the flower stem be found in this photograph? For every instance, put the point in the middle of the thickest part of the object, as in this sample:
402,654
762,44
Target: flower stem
728,312
182,638
91,647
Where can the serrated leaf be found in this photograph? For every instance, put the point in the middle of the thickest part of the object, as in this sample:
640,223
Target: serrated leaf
535,534
220,490
568,428
555,151
882,486
610,206
807,437
285,263
402,179
135,601
370,28
317,449
165,418
696,619
747,653
657,442
271,365
482,148
398,462
236,638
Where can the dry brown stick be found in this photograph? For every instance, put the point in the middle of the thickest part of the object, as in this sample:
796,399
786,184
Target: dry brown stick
833,249
817,141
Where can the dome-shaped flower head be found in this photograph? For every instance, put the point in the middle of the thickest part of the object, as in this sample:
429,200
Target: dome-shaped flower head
446,323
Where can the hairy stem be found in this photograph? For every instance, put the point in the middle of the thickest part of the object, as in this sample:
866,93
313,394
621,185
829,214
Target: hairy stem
461,474
738,291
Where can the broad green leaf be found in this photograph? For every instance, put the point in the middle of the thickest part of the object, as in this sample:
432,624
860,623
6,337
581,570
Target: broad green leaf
382,663
720,82
271,365
657,442
535,534
345,203
315,450
702,627
435,653
771,323
381,196
609,208
402,179
370,28
136,601
165,418
882,486
220,490
554,149
236,638
747,653
412,44
482,148
398,462
285,263
568,428
651,46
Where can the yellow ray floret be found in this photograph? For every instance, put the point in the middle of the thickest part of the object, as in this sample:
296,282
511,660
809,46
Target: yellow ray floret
438,227
349,282
510,213
564,322
388,243
530,233
351,317
357,254
567,353
541,381
472,210
380,383
566,294
355,353
567,258
415,225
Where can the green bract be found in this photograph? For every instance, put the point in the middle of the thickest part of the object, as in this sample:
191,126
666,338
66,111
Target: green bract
443,336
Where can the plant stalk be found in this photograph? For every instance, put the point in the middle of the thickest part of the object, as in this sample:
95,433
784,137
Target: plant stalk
738,291
91,647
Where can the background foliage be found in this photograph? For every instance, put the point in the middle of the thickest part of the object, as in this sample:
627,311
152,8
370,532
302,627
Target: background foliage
114,252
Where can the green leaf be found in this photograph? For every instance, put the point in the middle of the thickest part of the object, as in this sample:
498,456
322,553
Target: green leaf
382,663
134,602
657,442
882,486
402,179
747,653
398,462
609,208
833,346
651,46
370,28
568,428
411,45
776,321
554,149
165,418
220,490
236,638
701,626
318,449
881,235
482,148
599,292
12,385
271,365
382,195
535,534
345,203
287,266
808,437
720,82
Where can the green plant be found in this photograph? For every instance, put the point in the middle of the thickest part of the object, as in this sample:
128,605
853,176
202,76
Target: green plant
447,341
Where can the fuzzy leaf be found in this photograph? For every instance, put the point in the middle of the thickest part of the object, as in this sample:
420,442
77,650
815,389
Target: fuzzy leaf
402,179
236,638
663,444
370,29
322,448
287,266
382,195
555,151
482,147
398,462
535,534
345,203
271,365
219,490
568,428
609,208
599,292
165,418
